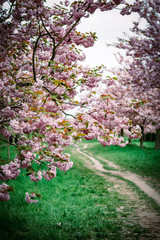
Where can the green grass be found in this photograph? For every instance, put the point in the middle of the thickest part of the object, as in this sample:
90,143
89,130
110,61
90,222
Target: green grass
145,162
76,205
3,153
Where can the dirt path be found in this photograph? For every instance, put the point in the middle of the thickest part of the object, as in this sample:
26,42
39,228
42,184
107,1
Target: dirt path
145,214
135,178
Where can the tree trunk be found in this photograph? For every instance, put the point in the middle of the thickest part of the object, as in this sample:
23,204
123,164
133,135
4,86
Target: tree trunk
142,137
129,139
157,143
122,133
116,134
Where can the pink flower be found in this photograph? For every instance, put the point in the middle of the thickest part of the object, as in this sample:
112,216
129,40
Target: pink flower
63,166
35,177
4,195
30,199
5,133
50,173
9,171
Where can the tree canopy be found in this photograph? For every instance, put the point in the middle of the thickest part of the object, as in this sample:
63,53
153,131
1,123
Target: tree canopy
41,72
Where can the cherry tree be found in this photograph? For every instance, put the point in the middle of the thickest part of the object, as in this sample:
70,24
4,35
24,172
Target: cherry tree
141,108
141,61
41,75
144,46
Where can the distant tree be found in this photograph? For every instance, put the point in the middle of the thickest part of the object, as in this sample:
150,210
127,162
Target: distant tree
142,58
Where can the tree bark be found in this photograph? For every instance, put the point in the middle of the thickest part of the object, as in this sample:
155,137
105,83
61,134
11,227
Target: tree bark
157,143
142,137
129,139
122,133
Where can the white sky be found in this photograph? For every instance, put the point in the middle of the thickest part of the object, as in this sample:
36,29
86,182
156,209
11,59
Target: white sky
109,26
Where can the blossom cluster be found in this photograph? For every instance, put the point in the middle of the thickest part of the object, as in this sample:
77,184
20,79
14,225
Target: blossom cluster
41,76
4,192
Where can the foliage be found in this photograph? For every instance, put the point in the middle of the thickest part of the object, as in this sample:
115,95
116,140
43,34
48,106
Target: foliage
41,75
140,67
76,205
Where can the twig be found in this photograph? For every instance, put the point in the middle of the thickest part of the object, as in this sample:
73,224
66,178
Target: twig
8,142
53,40
73,25
4,121
67,33
33,57
9,13
67,114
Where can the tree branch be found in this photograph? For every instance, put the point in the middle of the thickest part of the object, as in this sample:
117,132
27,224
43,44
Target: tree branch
67,33
4,121
33,56
8,142
53,40
73,25
67,114
9,13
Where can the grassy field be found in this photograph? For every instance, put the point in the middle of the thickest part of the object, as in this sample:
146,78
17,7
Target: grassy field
145,162
76,205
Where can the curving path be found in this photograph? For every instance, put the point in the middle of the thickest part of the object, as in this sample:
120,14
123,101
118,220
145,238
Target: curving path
135,178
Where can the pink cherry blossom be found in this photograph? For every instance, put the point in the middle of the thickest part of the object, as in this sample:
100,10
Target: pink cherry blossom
30,198
42,75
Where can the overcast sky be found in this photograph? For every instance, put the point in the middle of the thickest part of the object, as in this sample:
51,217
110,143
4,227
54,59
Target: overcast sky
109,26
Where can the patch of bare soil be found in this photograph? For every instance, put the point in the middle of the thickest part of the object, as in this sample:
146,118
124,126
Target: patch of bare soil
144,213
